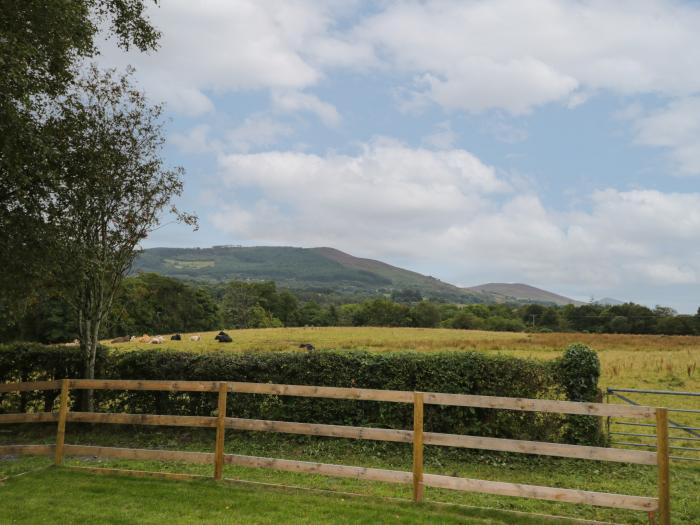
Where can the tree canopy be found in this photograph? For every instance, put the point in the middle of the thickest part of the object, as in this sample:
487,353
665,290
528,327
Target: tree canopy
42,45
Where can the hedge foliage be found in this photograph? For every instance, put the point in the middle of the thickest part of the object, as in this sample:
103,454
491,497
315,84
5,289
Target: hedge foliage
454,372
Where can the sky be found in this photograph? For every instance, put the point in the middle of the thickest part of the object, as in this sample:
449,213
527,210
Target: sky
555,143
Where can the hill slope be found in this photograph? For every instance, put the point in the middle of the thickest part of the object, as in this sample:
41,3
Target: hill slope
523,293
296,268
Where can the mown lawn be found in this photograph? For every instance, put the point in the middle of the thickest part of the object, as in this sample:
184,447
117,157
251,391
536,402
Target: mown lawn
54,495
587,475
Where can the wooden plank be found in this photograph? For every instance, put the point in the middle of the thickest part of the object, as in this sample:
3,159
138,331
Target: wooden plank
540,405
33,417
365,394
541,448
314,429
417,446
325,469
142,419
360,394
61,429
27,450
601,499
138,473
139,453
151,385
29,386
220,432
663,466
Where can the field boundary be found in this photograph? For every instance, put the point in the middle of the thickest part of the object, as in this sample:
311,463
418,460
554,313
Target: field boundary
416,477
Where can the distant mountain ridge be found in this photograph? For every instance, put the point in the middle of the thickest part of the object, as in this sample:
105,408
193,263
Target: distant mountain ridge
608,301
323,269
518,292
296,269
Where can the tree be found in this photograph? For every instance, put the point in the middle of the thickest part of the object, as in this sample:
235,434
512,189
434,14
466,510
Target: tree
152,303
465,320
106,142
425,315
41,45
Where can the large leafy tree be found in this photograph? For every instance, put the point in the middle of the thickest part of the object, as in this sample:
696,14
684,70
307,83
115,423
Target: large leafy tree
105,142
42,45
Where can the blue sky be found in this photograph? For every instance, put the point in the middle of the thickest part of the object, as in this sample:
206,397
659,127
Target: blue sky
550,142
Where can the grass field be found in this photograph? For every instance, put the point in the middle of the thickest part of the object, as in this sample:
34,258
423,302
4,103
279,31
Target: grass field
632,361
53,495
586,475
628,361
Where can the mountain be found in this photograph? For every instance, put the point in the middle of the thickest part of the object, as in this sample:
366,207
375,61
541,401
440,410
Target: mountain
322,269
608,301
520,293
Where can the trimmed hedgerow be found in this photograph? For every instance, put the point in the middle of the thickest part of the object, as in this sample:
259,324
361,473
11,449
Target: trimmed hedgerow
578,372
453,372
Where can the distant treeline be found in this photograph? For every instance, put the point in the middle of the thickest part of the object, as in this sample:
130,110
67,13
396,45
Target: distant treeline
153,304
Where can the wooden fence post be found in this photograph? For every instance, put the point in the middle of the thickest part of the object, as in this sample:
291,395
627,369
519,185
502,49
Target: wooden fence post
662,460
220,429
62,416
418,446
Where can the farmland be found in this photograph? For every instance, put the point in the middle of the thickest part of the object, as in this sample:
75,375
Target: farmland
628,361
631,361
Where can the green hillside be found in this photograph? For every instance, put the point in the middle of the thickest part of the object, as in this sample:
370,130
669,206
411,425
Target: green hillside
295,268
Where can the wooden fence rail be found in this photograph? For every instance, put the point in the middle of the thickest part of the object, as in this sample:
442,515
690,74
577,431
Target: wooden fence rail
417,437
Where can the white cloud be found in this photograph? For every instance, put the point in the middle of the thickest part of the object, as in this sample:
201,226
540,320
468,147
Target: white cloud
507,55
257,131
220,46
675,127
516,55
389,200
196,140
254,132
442,137
293,101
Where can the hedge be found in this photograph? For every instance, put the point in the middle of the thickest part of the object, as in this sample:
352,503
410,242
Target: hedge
453,372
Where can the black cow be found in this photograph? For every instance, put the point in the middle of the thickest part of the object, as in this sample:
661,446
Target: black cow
309,347
176,337
223,337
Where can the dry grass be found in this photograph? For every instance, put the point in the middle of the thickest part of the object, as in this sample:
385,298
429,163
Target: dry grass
632,361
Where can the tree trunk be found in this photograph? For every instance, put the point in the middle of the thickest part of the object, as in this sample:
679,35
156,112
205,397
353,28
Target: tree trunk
89,333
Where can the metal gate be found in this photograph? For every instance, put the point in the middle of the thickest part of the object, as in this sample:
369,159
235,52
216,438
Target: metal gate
684,429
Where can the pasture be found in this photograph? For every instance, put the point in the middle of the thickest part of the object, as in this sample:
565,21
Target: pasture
627,361
630,361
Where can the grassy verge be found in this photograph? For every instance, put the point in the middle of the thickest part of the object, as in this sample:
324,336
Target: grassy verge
587,475
61,496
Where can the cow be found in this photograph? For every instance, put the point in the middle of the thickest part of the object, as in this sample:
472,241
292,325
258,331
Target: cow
309,347
223,337
145,338
123,339
134,339
157,340
176,337
195,338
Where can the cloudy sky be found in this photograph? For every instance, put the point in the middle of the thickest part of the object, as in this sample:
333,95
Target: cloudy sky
550,142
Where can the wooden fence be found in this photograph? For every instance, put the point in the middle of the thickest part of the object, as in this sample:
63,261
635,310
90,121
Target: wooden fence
418,438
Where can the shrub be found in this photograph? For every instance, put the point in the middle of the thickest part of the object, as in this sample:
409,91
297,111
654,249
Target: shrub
454,372
578,372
